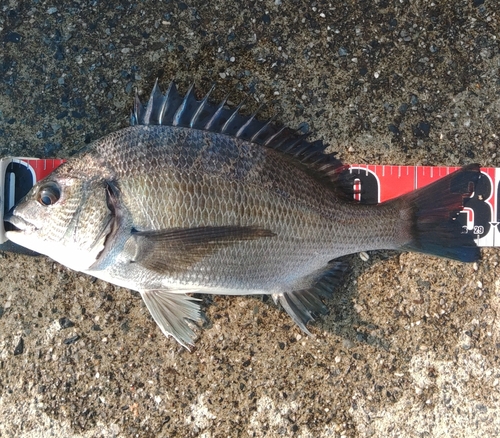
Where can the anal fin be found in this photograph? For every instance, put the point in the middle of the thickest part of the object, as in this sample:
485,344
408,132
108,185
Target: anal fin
171,311
303,303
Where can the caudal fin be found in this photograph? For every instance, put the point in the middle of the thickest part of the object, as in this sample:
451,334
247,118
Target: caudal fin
433,212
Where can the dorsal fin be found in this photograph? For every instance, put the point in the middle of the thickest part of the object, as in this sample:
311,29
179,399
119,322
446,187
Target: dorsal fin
173,109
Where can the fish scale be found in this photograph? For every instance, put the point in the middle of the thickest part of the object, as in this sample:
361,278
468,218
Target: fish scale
197,198
307,221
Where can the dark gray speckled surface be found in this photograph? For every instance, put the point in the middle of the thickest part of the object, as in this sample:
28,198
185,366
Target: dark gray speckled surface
411,347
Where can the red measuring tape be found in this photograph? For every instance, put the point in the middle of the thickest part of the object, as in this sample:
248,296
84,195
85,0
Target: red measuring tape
372,184
481,214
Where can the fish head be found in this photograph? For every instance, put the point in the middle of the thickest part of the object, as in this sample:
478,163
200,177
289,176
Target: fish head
65,217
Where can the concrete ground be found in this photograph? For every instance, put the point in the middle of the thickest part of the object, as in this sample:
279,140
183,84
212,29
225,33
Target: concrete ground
411,345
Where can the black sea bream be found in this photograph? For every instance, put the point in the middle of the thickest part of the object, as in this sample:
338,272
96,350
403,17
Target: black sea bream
197,198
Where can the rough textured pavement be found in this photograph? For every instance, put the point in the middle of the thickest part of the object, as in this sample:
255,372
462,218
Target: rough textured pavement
411,346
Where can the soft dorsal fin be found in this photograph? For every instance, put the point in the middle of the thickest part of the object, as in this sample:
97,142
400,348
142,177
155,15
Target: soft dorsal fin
173,109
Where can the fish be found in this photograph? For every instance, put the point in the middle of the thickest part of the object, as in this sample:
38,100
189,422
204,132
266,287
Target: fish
198,198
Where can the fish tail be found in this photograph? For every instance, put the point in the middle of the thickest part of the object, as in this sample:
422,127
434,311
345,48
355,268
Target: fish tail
431,214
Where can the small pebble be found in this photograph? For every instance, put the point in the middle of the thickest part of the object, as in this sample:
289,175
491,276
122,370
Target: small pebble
66,323
12,37
343,51
422,129
19,347
71,340
364,256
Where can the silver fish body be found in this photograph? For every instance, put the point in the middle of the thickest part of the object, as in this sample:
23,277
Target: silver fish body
168,209
179,178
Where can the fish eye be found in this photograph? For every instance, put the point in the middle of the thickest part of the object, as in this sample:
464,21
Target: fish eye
49,194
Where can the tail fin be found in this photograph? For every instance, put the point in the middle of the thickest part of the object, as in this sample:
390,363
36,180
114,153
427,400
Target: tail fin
434,212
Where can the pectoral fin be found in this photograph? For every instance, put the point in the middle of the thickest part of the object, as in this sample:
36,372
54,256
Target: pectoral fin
171,312
176,249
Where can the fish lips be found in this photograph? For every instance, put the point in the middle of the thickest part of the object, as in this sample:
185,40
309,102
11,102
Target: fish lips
18,224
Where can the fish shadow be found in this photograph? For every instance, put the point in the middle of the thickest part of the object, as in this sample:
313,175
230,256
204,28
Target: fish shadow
342,319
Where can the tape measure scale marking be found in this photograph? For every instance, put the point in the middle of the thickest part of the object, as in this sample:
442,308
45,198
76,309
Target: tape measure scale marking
481,214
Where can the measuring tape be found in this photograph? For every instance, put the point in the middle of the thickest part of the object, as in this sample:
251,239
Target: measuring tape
372,184
17,176
481,213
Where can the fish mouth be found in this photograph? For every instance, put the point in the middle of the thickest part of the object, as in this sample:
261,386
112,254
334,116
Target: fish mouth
17,224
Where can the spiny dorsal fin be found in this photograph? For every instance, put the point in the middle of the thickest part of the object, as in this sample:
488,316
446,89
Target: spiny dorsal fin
173,109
